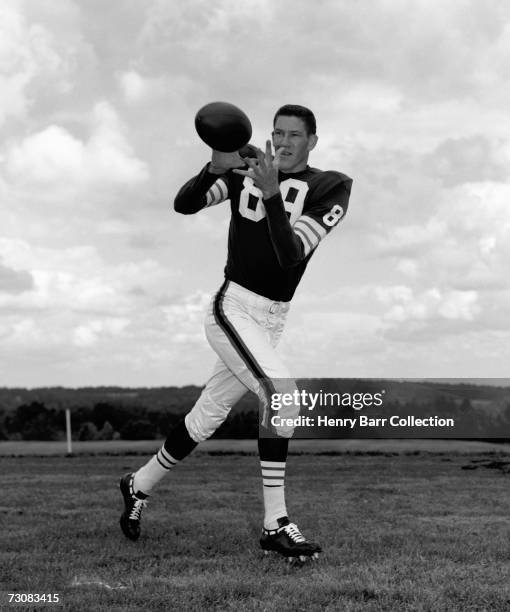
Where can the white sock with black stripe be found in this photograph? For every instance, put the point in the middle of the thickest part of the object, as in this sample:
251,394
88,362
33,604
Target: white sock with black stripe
153,471
273,481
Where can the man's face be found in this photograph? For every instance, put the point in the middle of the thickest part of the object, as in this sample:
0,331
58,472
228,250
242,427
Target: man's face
290,135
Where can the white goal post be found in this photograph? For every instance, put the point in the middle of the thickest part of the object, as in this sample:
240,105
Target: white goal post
68,432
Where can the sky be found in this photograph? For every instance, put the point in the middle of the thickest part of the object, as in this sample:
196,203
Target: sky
102,283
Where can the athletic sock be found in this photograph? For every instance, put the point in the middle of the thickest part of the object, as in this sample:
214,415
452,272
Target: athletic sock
273,486
153,471
273,455
177,446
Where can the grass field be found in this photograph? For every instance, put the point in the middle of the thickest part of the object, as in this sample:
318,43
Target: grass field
400,530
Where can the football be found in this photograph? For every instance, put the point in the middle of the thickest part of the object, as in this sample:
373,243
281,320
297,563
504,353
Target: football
223,126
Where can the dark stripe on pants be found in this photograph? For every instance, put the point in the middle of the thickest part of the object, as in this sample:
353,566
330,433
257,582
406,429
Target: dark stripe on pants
237,342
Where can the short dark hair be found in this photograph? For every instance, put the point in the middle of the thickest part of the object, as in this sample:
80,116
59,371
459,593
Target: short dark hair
295,110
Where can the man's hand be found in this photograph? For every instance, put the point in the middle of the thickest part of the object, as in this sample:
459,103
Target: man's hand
221,162
264,171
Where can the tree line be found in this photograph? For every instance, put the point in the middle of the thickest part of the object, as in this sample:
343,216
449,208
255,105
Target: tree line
112,421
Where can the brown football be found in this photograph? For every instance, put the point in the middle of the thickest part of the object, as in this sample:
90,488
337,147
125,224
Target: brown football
223,126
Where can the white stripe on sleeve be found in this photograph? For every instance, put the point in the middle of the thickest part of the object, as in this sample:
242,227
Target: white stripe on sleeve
304,239
217,193
308,228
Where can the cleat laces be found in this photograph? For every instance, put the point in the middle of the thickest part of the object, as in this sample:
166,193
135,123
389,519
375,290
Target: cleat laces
136,510
293,532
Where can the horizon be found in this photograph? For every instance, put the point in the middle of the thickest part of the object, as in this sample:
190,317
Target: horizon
501,382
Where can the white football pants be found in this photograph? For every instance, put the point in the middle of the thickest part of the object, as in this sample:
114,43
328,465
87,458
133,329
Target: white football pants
243,328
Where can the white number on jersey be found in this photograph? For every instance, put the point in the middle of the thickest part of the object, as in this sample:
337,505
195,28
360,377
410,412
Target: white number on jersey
250,201
334,215
293,195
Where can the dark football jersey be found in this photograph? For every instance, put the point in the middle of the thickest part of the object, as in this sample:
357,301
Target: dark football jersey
315,201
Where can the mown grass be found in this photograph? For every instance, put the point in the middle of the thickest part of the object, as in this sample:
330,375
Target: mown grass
399,531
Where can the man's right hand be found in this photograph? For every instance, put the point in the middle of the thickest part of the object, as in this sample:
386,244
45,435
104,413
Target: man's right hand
221,162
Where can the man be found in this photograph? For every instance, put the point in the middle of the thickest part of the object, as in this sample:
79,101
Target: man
281,210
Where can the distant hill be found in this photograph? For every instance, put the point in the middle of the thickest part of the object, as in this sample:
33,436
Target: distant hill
161,398
180,399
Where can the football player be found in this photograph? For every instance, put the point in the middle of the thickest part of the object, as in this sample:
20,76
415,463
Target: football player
281,209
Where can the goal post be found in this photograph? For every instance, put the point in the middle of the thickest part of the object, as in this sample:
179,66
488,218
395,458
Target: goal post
68,432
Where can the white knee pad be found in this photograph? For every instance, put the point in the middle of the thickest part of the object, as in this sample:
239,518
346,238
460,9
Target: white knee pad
205,417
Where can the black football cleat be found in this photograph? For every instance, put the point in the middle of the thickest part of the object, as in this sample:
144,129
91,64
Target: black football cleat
288,541
133,506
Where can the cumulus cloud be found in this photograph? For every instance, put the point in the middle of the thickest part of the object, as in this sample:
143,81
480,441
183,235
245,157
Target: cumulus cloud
464,242
80,306
78,279
86,335
17,62
408,267
14,281
79,301
407,240
404,304
186,318
472,159
133,85
32,58
20,332
54,155
331,343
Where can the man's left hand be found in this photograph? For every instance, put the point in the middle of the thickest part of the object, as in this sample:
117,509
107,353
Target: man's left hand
263,171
